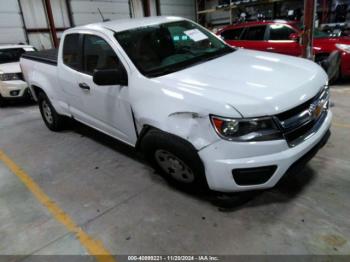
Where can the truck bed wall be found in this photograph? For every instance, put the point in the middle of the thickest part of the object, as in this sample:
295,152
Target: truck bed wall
44,76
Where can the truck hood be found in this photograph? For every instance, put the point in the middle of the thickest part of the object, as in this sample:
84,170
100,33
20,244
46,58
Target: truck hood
10,68
254,83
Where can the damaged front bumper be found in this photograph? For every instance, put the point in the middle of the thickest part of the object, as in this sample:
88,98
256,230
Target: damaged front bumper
227,162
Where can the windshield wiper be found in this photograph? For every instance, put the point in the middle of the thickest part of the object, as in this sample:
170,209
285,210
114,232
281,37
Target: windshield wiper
188,63
212,55
161,72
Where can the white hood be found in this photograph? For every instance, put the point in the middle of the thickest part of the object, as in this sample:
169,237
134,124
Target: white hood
10,68
255,83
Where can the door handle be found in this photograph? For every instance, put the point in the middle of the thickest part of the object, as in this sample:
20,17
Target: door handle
84,86
270,48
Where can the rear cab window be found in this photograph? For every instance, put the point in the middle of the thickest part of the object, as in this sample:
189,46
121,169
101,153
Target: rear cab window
71,56
254,33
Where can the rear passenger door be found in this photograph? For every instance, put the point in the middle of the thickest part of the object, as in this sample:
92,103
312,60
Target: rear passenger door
279,40
254,37
69,64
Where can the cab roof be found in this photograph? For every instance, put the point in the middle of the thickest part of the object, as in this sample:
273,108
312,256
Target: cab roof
131,23
264,22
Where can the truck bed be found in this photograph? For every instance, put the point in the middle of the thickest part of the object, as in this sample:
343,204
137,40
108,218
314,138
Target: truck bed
46,56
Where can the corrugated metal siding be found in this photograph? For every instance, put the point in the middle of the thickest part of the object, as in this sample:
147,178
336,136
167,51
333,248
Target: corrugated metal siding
86,11
217,17
35,17
34,14
11,26
184,8
60,13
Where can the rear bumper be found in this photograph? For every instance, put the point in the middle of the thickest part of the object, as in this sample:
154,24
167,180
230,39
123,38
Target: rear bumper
13,89
223,158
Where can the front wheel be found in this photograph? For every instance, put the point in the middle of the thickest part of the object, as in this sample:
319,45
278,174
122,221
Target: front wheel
175,158
52,119
2,101
336,78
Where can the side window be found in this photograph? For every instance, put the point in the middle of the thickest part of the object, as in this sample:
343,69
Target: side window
232,34
254,33
280,32
71,51
98,54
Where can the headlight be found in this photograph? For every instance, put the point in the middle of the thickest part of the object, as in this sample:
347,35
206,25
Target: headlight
343,47
9,77
255,129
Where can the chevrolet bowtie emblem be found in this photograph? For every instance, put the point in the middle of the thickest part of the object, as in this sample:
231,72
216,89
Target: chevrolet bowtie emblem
316,109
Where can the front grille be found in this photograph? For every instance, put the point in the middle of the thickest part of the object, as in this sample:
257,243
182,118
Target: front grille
20,76
299,123
296,110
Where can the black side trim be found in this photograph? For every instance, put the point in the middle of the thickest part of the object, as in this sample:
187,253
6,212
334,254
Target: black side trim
300,164
46,56
134,121
40,59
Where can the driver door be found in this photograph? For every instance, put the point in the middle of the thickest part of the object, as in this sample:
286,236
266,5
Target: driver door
106,108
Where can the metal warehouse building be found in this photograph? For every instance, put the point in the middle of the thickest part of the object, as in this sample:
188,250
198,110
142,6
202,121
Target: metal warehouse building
27,20
174,130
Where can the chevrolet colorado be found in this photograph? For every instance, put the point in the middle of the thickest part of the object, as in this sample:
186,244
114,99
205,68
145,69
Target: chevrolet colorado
205,114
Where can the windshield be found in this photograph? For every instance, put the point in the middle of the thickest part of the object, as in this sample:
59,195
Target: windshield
320,34
162,49
317,33
10,55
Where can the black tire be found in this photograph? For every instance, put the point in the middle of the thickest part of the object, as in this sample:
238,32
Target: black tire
54,122
154,145
2,101
337,77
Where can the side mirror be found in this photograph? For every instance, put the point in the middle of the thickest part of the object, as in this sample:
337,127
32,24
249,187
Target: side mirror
295,37
110,77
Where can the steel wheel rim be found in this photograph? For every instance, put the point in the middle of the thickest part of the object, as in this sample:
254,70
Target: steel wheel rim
47,112
174,166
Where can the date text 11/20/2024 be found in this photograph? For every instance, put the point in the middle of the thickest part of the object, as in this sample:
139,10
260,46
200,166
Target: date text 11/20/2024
174,258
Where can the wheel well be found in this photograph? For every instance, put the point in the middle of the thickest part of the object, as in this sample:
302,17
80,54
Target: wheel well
147,128
37,90
320,57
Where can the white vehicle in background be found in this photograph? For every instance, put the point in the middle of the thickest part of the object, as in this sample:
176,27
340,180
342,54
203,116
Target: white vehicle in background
12,84
204,113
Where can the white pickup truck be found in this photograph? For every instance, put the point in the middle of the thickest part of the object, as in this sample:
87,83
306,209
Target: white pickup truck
205,114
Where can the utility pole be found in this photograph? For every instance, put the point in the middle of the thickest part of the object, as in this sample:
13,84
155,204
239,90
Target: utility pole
51,22
309,25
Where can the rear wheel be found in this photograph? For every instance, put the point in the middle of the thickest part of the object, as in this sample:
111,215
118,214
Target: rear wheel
175,158
52,119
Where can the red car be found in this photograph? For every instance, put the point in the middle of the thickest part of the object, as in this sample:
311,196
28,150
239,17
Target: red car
283,37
